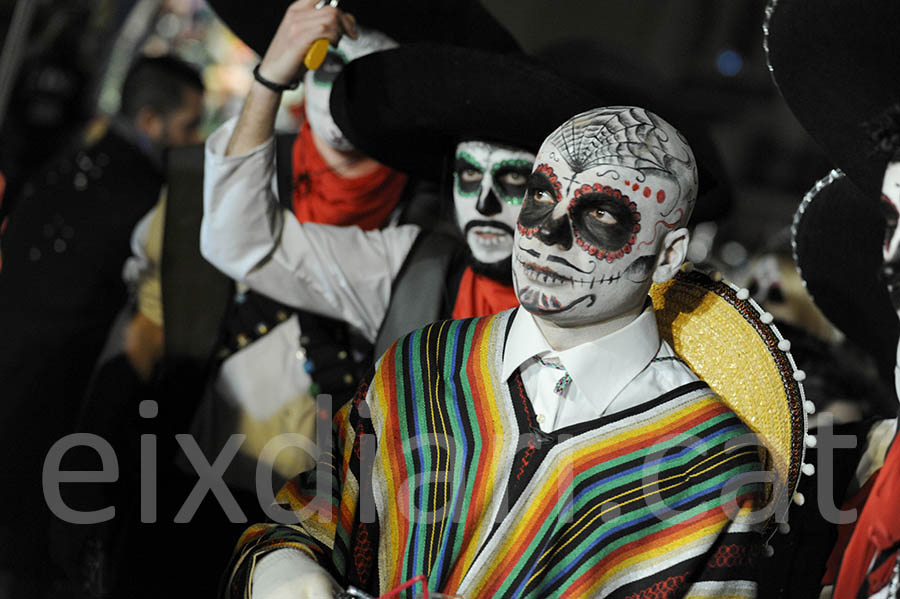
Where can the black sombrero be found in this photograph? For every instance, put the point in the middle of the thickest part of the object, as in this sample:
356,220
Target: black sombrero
457,22
836,239
836,64
407,107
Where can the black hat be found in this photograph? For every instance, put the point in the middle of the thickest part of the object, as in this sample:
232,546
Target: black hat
836,239
836,64
457,22
408,107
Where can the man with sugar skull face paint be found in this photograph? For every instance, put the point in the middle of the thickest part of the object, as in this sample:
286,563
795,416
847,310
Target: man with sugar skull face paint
534,402
488,188
317,83
603,217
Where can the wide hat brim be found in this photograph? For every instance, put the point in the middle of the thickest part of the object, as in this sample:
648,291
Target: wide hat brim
457,22
732,345
835,62
408,107
629,81
837,238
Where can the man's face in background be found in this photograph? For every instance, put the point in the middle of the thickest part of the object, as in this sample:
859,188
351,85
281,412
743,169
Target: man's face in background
488,188
181,127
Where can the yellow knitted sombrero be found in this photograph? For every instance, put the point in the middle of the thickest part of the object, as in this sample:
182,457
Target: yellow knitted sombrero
730,343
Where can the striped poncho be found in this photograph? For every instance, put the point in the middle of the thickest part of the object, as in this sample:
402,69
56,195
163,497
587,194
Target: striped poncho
438,468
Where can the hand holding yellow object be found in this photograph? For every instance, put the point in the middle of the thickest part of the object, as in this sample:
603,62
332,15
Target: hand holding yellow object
316,53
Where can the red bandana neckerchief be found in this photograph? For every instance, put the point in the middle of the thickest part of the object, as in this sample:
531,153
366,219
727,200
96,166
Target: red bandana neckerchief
877,529
479,295
322,195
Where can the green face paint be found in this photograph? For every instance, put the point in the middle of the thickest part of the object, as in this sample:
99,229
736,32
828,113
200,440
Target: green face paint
468,175
510,178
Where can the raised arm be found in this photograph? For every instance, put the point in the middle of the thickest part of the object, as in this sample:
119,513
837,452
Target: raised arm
283,63
340,272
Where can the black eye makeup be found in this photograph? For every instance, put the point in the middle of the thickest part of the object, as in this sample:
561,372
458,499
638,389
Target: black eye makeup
890,217
468,174
605,221
331,67
540,198
511,181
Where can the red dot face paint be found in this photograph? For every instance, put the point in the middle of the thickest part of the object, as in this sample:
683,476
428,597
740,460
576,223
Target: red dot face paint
661,196
635,187
647,192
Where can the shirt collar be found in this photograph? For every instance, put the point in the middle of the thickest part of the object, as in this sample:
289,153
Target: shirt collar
600,368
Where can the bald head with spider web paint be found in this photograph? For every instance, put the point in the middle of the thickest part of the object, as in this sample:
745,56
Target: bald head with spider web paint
603,215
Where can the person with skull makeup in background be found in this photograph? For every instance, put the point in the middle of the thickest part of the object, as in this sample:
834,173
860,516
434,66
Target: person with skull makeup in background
503,456
846,245
870,567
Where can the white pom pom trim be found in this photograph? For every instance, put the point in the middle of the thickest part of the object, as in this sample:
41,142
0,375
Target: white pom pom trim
784,345
808,469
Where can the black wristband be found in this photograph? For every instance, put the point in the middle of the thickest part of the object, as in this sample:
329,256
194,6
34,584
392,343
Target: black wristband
275,87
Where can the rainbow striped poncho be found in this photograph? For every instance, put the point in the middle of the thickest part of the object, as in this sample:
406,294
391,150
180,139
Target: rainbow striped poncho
439,469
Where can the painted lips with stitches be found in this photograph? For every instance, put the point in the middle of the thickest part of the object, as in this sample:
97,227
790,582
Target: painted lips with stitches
549,277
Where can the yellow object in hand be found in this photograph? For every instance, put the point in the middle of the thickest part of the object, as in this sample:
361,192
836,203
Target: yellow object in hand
315,56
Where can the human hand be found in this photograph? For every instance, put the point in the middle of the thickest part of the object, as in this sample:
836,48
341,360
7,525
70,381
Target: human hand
289,574
311,585
301,26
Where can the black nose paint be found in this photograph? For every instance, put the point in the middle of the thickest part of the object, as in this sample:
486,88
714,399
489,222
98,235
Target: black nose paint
489,205
556,232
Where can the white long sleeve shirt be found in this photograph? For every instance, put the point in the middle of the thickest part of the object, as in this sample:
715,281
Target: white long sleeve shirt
340,272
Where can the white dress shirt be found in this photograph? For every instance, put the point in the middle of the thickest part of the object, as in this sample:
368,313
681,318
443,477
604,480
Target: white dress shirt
610,374
340,272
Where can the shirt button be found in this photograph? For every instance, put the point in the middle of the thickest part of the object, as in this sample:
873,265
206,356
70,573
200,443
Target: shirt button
541,419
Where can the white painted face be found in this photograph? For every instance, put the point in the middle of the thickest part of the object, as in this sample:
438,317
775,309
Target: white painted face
317,84
607,187
890,199
488,188
890,206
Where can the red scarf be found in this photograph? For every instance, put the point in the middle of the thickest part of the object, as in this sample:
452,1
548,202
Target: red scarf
323,196
479,295
877,529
